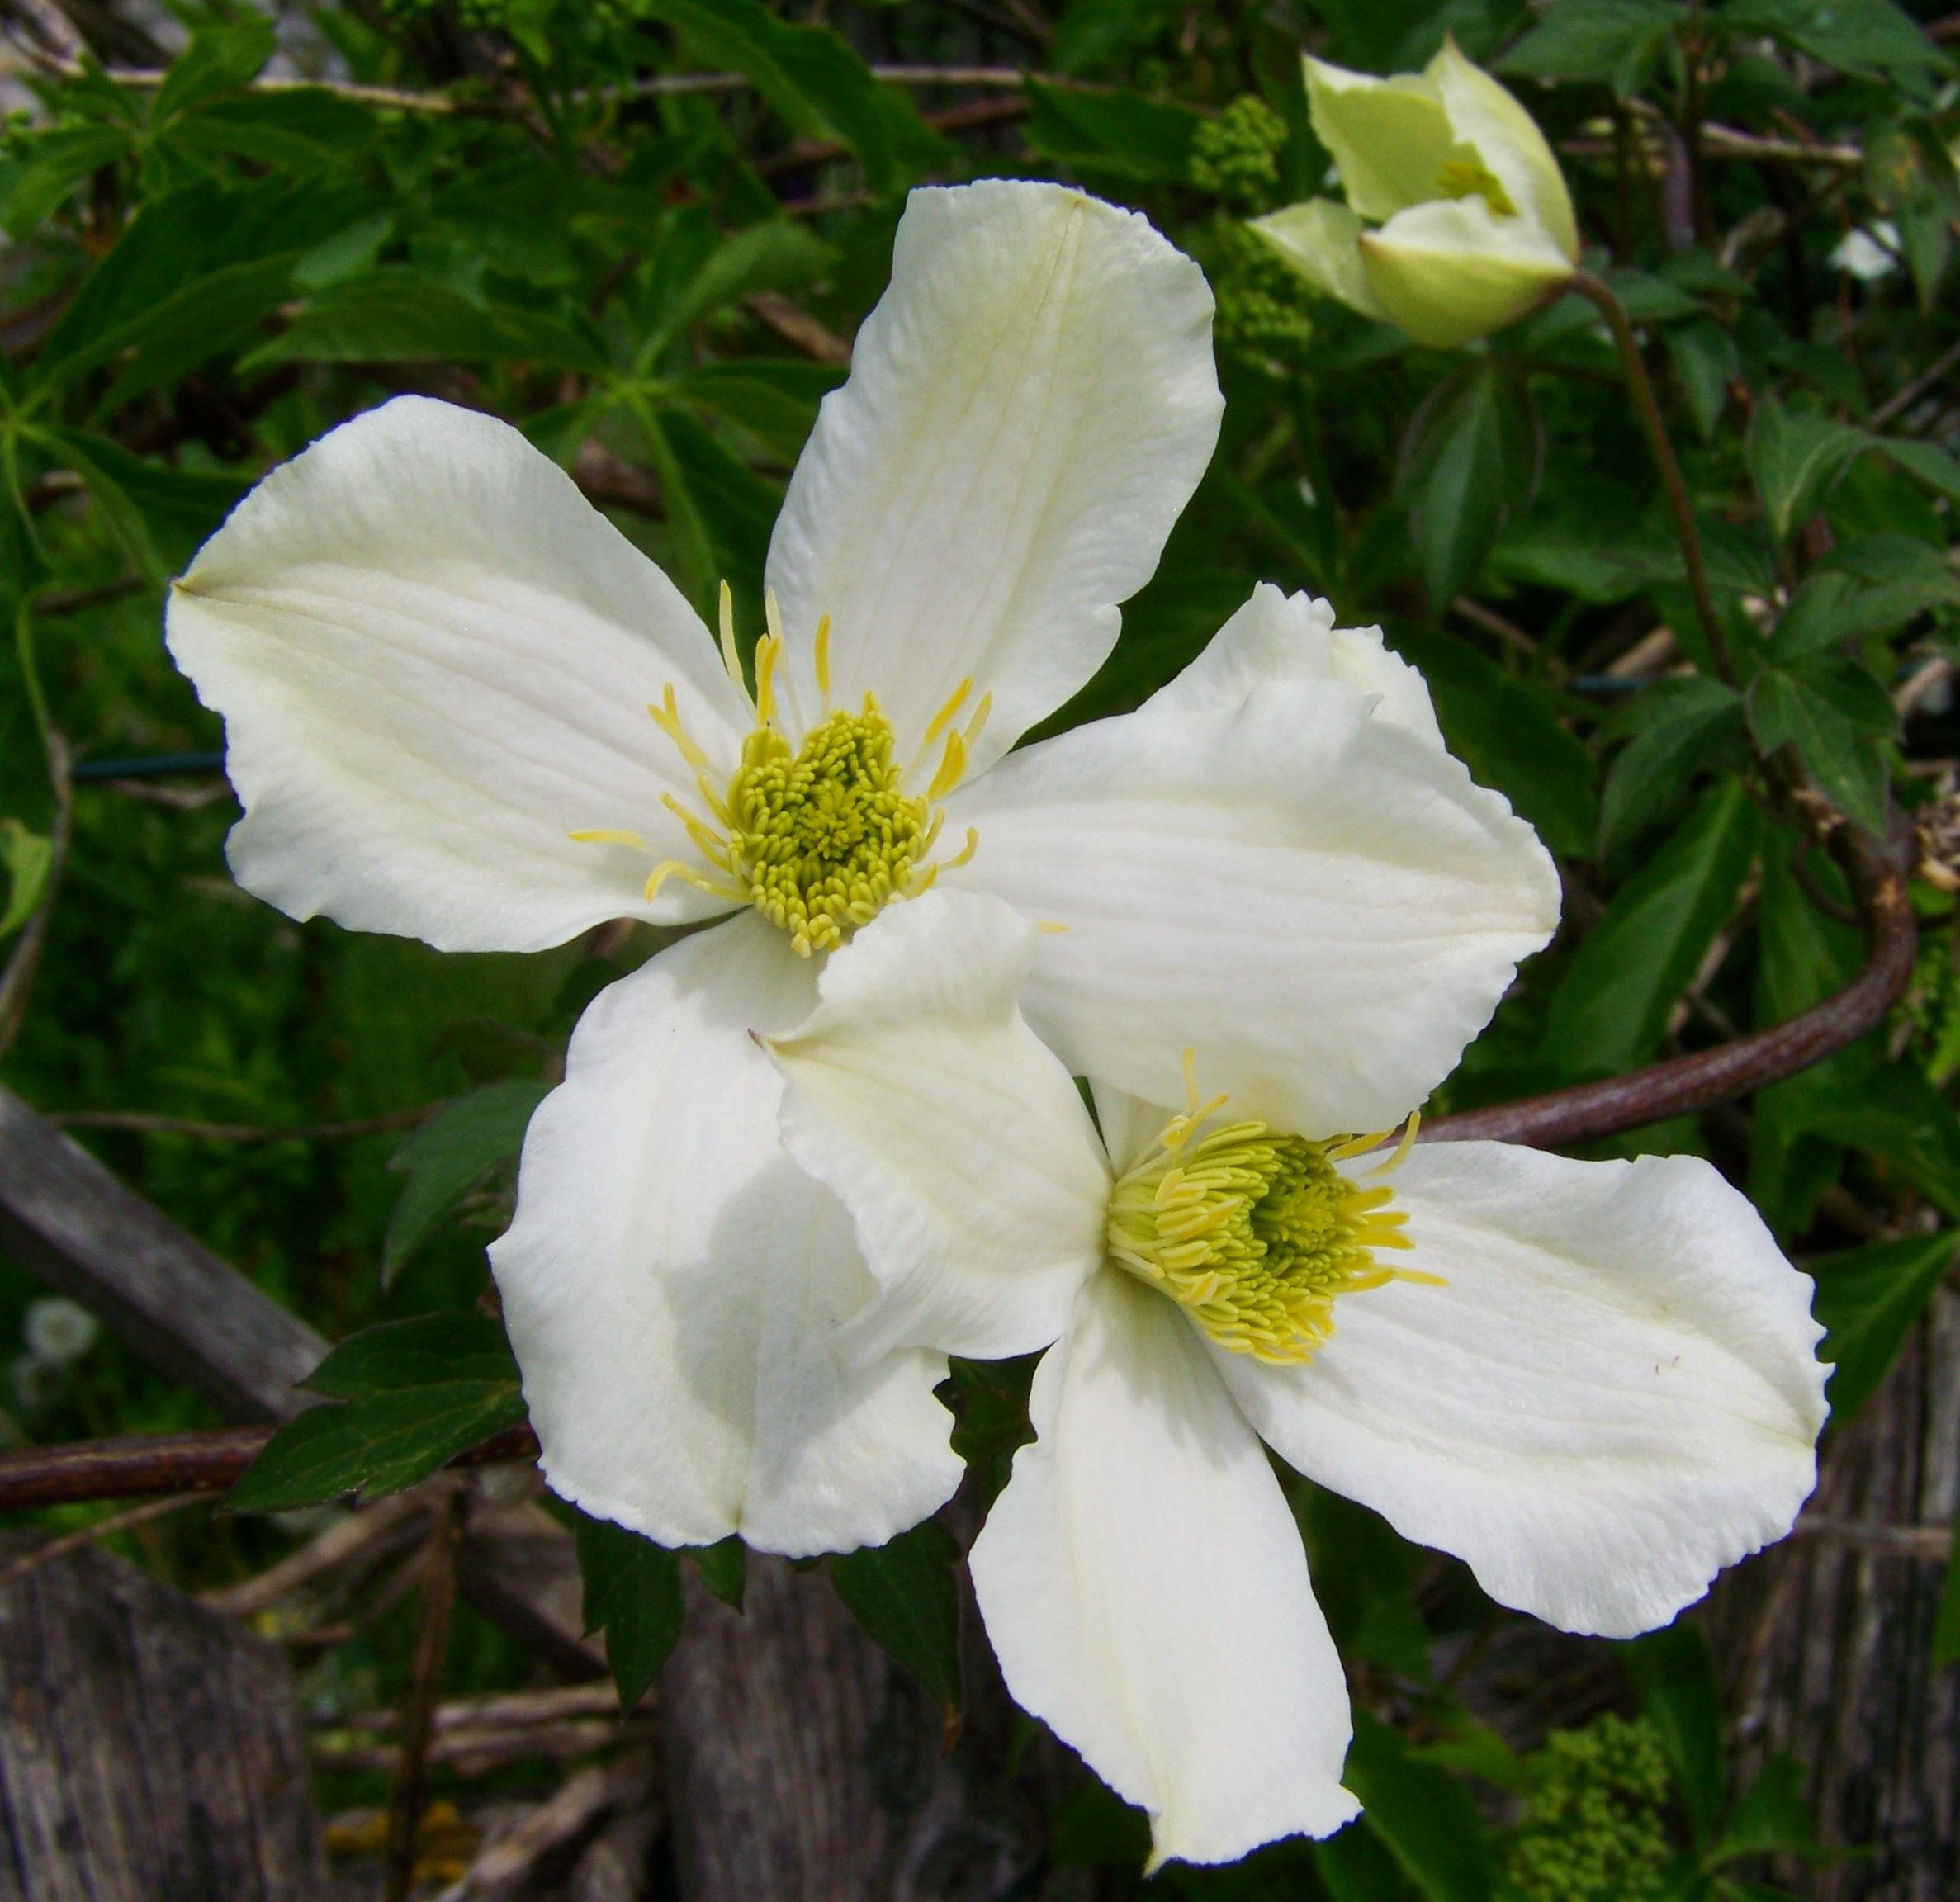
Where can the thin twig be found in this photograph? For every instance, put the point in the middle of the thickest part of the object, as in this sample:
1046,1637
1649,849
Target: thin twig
88,1534
1904,399
409,1794
146,1465
355,1539
1671,479
1684,1084
144,1122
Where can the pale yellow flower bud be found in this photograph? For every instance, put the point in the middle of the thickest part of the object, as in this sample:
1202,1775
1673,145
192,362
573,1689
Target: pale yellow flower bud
1457,221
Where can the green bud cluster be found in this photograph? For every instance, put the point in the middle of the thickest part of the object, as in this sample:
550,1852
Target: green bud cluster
1594,1830
1264,312
1236,156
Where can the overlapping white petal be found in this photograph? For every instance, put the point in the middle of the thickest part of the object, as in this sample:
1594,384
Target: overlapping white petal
1316,899
1615,1395
1030,406
917,1091
1277,638
434,659
674,1286
1508,140
1143,1587
1450,271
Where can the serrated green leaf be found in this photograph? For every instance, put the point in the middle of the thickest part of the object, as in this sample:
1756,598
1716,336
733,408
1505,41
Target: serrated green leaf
44,169
220,59
1615,41
305,130
1832,723
1793,459
905,1595
1868,1299
631,1592
1679,728
426,1350
1871,37
1115,135
28,858
777,254
467,1138
395,315
1611,1009
1874,585
375,1446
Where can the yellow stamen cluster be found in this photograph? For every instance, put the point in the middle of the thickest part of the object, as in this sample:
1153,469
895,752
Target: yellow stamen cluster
1472,179
819,835
824,837
1256,1234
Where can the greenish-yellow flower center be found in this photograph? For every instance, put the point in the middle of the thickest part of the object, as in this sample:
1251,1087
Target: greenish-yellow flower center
1472,179
824,837
1255,1234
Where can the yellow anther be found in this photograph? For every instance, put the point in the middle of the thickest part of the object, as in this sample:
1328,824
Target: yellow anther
823,659
667,717
678,868
731,659
1255,1234
952,769
768,650
965,855
978,724
608,835
944,718
1049,925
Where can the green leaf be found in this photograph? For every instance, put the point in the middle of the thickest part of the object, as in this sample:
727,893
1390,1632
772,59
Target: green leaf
1679,728
776,254
414,1394
1469,450
813,78
1868,1299
774,403
220,59
1827,711
1874,585
159,513
43,168
1611,1009
1423,1813
1928,462
426,1350
1114,134
306,130
1870,37
1895,1113
28,858
1675,1676
395,315
631,1592
1506,732
905,1595
1616,42
1706,361
1772,1818
1793,459
467,1138
724,1568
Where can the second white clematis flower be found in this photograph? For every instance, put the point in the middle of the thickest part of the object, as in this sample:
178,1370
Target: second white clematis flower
1595,1382
1457,220
436,664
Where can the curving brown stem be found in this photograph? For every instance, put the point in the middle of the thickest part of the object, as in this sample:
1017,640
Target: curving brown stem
146,1465
1641,388
1682,1084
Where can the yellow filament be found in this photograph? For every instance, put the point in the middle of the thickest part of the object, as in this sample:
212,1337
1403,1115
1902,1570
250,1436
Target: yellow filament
768,649
608,835
730,658
823,659
952,769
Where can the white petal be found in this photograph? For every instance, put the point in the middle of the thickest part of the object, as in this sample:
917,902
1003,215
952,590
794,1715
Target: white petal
1616,1395
1030,407
674,1284
1282,637
1143,1586
1508,139
917,1091
1321,904
1391,138
1321,239
1449,272
434,659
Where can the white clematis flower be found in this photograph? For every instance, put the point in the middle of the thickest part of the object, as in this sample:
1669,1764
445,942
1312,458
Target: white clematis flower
1595,1382
436,664
1457,221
